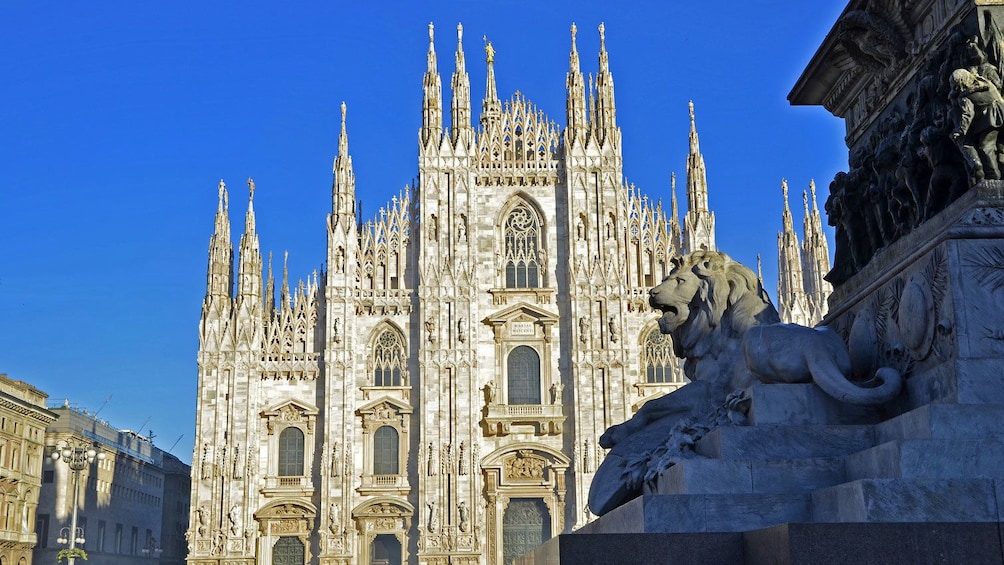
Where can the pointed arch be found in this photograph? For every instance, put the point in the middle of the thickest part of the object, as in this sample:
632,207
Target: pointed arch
521,228
659,363
388,358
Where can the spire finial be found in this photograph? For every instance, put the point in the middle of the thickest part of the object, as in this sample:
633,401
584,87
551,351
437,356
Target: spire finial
690,105
431,34
489,50
812,189
784,190
460,33
574,31
805,203
250,189
223,195
603,45
759,268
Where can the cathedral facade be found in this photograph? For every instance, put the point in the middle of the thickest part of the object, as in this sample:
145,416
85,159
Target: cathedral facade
436,395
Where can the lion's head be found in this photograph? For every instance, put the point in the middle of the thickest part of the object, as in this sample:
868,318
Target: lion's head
707,299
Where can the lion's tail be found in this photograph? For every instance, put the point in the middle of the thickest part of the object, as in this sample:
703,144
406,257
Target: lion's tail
835,383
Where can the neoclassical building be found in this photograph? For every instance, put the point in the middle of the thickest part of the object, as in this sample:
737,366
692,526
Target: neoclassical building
436,394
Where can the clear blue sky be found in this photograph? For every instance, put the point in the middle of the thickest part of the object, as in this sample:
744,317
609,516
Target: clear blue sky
118,118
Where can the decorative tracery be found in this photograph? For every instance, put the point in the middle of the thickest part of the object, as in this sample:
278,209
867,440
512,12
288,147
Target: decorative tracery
389,360
658,359
522,252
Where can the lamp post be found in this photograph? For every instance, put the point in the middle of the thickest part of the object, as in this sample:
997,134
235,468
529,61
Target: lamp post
78,458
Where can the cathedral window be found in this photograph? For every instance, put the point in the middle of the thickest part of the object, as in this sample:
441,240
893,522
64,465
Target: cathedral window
388,359
523,376
386,460
521,233
291,452
658,359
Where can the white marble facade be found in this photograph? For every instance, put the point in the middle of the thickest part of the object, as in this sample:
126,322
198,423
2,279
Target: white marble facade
436,395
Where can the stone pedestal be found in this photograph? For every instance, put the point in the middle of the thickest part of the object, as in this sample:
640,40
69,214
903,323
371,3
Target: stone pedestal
810,480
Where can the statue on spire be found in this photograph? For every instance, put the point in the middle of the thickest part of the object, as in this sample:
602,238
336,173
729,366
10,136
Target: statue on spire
251,188
489,50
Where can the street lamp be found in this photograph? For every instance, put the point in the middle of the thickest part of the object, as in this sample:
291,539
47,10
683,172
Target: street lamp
78,458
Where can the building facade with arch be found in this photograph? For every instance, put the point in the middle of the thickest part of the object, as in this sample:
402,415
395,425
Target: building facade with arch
437,394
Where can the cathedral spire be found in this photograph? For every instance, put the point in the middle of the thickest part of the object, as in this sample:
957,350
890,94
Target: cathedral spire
285,300
343,190
700,222
249,270
815,257
575,104
790,294
491,108
220,273
461,104
675,234
606,113
432,102
269,289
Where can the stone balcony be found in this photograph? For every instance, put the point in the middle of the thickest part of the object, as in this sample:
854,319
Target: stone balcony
384,484
288,486
546,418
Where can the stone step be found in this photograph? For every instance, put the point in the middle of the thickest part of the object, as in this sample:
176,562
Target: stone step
804,404
761,443
784,544
718,476
949,421
907,500
683,513
929,459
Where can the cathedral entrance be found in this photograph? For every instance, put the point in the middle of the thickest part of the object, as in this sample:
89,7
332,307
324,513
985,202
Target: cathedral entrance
288,551
526,524
385,550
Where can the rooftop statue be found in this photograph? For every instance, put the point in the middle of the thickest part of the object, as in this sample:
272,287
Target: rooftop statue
724,325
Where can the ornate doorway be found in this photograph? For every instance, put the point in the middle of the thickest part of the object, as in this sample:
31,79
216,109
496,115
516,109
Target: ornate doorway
288,551
526,524
385,550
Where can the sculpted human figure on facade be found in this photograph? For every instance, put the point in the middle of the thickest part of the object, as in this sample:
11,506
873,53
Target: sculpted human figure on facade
234,517
490,392
614,332
464,514
583,329
433,517
333,512
336,461
205,466
462,329
462,228
462,459
202,514
556,389
238,464
431,467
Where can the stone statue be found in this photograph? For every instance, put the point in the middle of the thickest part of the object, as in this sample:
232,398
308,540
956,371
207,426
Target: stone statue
203,520
583,329
465,516
206,466
430,329
234,517
462,330
333,512
490,392
724,325
336,461
238,470
431,465
978,114
614,332
556,389
433,523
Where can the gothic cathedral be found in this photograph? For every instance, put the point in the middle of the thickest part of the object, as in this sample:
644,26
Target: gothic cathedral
436,395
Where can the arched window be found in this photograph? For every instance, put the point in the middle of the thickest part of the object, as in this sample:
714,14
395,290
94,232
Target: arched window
521,233
291,452
524,376
388,359
385,451
658,359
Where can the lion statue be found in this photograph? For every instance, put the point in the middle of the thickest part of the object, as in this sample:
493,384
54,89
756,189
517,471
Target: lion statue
723,324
